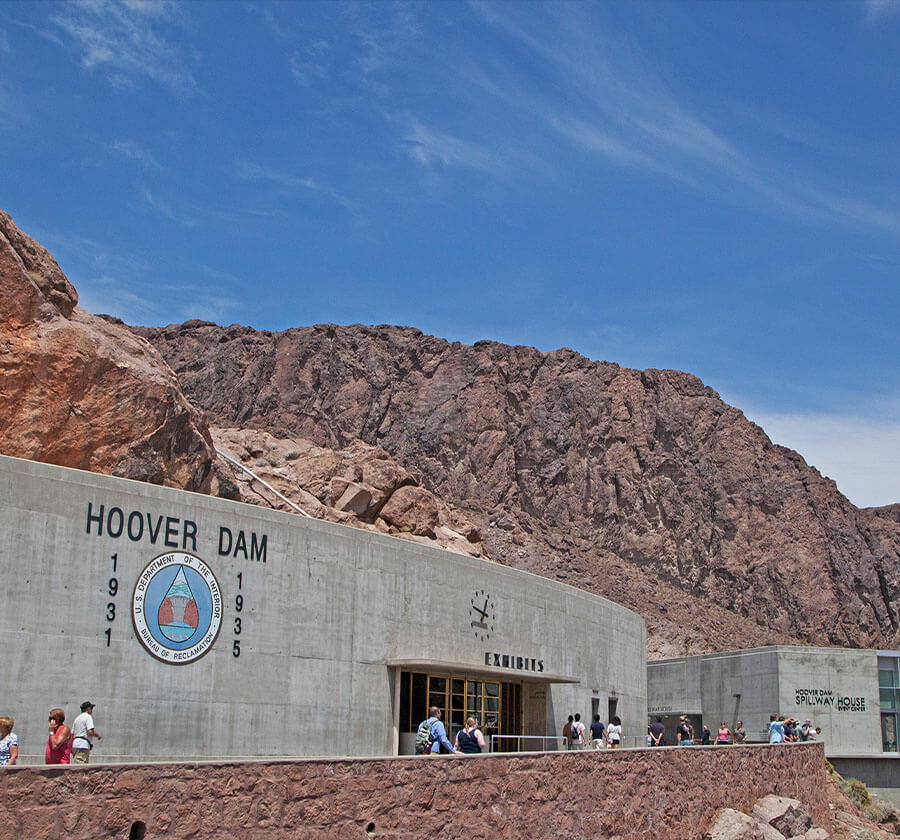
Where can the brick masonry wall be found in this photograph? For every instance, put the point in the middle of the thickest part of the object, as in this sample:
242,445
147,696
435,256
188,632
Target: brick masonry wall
669,794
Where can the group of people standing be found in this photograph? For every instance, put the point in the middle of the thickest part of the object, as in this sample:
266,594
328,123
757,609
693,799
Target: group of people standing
64,745
782,729
685,733
576,735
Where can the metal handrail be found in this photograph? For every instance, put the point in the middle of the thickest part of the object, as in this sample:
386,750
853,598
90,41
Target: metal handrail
265,484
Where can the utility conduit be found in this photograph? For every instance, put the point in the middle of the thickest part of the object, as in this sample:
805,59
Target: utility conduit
265,484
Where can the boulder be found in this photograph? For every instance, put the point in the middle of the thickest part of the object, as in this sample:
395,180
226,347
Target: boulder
412,509
788,816
83,391
734,825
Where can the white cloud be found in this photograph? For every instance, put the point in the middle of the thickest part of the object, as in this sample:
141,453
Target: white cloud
877,10
861,454
124,38
255,173
619,110
133,151
165,210
430,146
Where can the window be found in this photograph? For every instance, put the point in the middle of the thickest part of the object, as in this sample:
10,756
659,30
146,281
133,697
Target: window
889,698
496,705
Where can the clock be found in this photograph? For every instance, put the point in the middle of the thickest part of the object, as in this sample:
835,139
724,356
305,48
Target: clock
481,615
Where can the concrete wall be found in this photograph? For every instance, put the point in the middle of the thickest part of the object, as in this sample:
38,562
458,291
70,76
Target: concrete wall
836,688
327,613
659,794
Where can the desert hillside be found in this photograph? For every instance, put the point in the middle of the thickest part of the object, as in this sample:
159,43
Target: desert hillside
642,486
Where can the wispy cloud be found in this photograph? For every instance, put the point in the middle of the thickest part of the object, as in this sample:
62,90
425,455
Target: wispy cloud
165,210
134,151
431,147
877,10
617,109
126,39
255,173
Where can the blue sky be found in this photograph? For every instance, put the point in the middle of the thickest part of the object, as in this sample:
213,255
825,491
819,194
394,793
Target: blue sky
707,186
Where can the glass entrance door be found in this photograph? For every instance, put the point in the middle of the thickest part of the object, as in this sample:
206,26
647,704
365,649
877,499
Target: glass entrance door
497,705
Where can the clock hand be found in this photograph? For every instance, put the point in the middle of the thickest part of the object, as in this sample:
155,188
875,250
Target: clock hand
482,613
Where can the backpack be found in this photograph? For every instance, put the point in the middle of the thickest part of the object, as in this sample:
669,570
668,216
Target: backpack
423,736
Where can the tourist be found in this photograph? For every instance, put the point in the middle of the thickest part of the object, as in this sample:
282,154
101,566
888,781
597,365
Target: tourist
776,729
597,733
723,736
685,733
82,732
806,731
9,741
438,734
59,744
790,730
614,733
705,736
567,732
577,733
657,733
469,740
739,736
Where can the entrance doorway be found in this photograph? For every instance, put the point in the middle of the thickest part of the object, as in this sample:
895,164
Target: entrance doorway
497,705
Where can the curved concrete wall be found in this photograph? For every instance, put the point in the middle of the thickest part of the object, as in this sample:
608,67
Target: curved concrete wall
314,620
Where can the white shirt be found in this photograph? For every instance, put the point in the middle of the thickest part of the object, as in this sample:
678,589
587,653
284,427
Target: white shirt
83,724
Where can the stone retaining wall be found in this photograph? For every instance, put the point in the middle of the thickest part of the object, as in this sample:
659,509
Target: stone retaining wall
648,793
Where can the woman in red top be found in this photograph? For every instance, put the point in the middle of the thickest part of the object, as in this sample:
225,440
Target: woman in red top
59,744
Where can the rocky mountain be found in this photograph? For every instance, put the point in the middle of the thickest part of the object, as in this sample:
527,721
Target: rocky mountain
643,486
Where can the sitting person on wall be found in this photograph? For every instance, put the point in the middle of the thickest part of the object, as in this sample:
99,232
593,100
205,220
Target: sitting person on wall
723,736
59,744
597,733
470,740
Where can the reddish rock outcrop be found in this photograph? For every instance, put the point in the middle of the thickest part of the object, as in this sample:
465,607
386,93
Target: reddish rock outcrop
360,486
81,391
640,485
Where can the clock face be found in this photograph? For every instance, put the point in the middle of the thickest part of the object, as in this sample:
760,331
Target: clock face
481,615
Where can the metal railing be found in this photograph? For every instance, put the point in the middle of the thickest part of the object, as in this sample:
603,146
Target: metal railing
264,483
556,743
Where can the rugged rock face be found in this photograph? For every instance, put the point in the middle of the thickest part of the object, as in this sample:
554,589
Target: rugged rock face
360,486
80,391
640,485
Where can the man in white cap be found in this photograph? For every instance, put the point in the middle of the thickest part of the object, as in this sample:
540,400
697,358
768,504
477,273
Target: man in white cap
82,732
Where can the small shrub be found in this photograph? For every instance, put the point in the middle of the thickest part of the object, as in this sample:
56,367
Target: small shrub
293,455
856,792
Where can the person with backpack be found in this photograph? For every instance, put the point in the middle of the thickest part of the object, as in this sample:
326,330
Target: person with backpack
431,735
577,733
